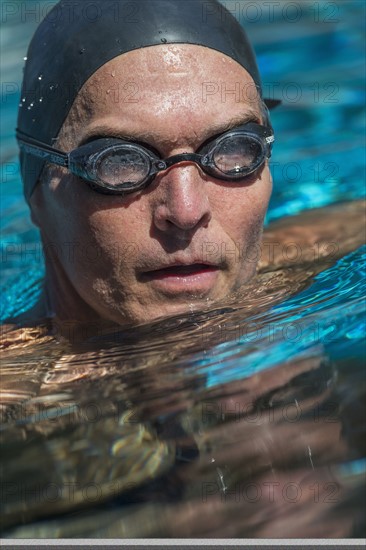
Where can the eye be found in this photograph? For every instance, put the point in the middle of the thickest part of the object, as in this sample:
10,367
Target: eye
238,155
122,165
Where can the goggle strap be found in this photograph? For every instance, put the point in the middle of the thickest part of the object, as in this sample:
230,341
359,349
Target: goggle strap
41,150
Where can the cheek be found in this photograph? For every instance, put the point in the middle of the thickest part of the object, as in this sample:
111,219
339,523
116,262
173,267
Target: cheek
70,209
85,231
241,210
118,236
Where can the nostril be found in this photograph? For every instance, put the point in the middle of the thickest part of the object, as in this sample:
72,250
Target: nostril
182,218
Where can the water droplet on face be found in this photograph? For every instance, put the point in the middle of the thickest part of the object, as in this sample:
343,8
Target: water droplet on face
40,77
163,40
23,99
113,74
25,58
20,104
41,99
82,50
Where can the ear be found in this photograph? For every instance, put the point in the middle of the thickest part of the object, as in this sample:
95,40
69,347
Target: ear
270,174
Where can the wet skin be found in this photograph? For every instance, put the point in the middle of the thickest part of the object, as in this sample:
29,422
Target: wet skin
181,243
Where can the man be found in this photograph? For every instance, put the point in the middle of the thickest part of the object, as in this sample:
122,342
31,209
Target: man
182,240
160,204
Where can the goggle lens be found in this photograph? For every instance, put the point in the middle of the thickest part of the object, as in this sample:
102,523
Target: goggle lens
238,155
122,166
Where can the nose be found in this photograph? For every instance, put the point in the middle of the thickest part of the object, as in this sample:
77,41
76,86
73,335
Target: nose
183,203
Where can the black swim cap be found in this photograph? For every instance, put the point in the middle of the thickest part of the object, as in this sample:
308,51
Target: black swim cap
76,38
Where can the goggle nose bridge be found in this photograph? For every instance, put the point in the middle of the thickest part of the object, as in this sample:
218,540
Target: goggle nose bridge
201,160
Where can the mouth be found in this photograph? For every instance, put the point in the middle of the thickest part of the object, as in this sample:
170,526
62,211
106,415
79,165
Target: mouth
176,279
180,271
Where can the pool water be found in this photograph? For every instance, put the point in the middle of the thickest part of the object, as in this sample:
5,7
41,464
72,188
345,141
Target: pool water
241,422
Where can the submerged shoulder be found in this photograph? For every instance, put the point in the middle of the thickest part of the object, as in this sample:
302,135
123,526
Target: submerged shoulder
14,336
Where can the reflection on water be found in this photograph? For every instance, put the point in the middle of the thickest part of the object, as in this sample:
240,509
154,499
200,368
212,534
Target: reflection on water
214,424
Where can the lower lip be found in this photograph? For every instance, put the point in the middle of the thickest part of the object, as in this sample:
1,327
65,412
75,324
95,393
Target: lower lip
197,280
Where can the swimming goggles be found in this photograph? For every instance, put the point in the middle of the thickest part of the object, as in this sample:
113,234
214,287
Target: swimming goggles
116,166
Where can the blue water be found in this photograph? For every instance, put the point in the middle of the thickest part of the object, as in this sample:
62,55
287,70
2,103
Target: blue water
310,319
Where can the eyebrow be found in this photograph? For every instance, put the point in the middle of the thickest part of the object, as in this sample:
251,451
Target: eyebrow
146,137
239,120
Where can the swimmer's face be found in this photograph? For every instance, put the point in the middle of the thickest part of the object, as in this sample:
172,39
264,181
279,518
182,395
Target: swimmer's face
186,240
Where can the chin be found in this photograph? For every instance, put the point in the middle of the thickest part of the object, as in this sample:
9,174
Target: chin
162,311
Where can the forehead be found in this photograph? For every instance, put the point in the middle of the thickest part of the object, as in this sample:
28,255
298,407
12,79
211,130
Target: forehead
181,87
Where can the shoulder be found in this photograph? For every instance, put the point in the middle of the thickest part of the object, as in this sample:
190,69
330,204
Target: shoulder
15,336
324,234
